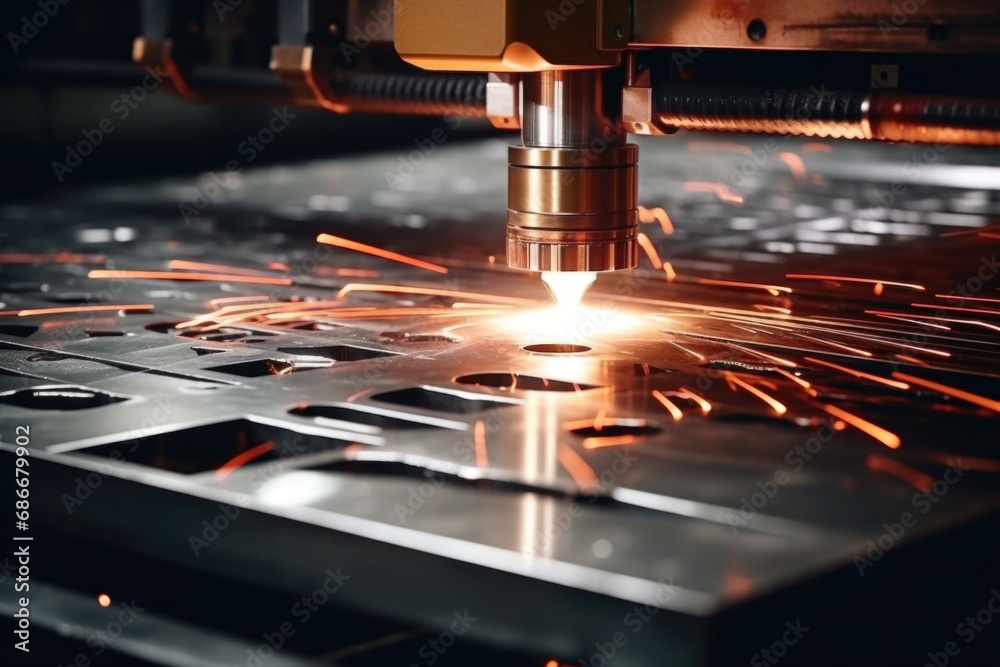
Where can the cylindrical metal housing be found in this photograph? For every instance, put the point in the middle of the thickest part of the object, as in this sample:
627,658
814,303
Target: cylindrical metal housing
572,186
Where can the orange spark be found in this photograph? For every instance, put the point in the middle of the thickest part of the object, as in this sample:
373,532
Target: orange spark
795,165
237,299
104,600
816,147
597,443
777,406
887,438
279,266
968,298
62,310
699,357
668,268
171,275
599,420
796,379
578,469
647,245
912,360
915,478
339,242
951,391
720,190
860,374
241,459
184,265
849,279
978,311
657,214
705,406
878,289
674,411
772,289
479,435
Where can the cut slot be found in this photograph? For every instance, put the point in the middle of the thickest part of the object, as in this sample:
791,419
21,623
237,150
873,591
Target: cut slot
517,381
338,352
17,330
442,400
642,370
59,398
262,367
378,419
616,428
210,447
556,348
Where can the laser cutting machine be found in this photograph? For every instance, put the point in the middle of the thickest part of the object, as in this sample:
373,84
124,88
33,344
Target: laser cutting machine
305,413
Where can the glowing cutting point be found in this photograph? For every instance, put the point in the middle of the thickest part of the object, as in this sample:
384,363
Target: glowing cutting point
568,287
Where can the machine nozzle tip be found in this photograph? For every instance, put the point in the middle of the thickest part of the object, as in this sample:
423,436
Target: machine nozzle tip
568,287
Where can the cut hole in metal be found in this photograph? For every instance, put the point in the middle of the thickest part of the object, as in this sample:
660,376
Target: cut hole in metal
338,352
59,398
442,401
262,367
615,428
556,348
210,447
516,381
331,413
202,351
104,334
18,330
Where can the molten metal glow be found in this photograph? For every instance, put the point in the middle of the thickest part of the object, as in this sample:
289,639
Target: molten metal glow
227,468
915,478
777,406
887,438
850,279
203,277
860,374
347,244
568,287
33,312
579,470
650,249
951,391
674,411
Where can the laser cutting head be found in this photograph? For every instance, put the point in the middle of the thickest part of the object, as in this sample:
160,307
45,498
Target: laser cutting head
571,195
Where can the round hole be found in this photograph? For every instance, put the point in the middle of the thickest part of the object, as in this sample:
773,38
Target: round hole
619,31
756,30
556,348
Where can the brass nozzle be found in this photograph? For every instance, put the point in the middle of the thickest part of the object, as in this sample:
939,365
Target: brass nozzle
572,187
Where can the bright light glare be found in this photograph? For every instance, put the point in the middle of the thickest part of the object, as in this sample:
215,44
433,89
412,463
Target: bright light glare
573,324
568,287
